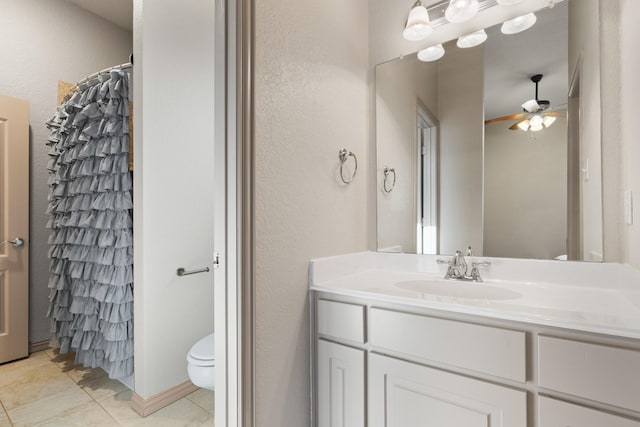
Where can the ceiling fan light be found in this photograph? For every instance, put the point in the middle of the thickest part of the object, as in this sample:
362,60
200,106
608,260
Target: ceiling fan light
431,54
461,10
508,2
524,125
531,106
519,24
536,121
472,39
548,121
536,128
418,25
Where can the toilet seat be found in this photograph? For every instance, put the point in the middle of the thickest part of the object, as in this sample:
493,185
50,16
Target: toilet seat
203,352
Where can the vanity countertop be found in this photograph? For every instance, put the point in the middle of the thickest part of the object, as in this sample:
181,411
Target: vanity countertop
598,298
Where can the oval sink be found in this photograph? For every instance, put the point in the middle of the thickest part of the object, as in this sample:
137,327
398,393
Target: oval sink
456,289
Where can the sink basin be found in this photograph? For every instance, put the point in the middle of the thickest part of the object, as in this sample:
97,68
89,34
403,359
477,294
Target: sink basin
457,289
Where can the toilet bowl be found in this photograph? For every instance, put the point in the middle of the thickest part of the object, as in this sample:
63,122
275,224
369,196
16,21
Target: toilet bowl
201,362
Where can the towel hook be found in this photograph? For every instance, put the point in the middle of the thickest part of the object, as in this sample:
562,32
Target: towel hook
344,155
388,171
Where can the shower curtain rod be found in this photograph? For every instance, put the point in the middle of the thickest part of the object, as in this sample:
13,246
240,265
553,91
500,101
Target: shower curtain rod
124,66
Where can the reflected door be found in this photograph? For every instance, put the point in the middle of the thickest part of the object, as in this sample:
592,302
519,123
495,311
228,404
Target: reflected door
427,191
14,229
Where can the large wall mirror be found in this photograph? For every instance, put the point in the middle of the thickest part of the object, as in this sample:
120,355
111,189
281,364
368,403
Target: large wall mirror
460,161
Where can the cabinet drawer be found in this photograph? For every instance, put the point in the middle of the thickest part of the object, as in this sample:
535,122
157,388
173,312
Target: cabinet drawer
552,413
605,374
492,351
341,320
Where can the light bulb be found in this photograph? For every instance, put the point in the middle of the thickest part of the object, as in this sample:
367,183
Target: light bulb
418,25
535,121
471,40
548,121
461,10
519,24
432,53
524,125
536,128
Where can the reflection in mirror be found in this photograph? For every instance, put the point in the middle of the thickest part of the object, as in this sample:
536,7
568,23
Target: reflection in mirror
501,188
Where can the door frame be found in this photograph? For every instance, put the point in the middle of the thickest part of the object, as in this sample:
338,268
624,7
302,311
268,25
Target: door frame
234,214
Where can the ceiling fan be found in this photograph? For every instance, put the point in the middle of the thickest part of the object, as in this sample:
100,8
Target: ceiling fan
535,115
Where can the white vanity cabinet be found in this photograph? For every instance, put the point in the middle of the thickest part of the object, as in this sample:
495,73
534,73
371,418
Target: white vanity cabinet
380,364
341,385
405,394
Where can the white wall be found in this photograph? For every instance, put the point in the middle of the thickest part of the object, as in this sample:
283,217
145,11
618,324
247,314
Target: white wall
460,111
311,100
525,193
630,66
399,84
584,46
45,41
173,186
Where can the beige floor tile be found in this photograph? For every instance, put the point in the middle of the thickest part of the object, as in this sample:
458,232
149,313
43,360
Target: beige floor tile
4,419
66,361
48,408
102,387
35,385
90,415
203,398
82,374
11,372
182,413
119,407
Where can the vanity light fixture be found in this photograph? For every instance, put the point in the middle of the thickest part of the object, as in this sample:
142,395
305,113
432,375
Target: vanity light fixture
508,2
461,10
431,54
472,39
418,25
519,24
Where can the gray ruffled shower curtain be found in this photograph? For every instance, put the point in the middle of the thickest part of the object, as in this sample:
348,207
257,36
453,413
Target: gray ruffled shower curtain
91,239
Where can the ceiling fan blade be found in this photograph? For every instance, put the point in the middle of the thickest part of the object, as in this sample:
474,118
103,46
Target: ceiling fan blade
556,113
515,125
504,118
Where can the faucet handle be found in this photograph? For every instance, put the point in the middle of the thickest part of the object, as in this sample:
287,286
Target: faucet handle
475,272
469,251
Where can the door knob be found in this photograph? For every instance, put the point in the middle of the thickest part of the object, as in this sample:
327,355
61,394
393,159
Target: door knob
17,242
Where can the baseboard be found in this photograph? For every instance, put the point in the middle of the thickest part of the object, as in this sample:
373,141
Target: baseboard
158,401
39,346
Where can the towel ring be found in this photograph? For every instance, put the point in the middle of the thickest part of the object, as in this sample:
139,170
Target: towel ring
388,171
344,155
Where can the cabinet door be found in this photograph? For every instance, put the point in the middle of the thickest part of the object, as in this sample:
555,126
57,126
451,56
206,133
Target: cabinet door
340,385
554,413
404,394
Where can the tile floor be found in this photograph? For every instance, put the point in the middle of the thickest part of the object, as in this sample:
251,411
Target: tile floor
47,389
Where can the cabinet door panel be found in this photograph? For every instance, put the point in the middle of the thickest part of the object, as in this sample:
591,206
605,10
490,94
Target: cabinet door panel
403,394
340,385
554,413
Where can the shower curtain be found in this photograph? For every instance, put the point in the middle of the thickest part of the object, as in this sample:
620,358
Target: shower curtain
91,238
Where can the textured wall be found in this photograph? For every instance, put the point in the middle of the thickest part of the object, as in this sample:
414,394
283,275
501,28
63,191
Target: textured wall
525,196
46,41
173,186
311,100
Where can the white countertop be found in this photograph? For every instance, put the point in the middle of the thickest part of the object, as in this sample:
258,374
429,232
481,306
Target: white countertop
598,298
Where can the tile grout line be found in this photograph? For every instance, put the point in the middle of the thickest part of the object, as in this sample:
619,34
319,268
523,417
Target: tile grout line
6,413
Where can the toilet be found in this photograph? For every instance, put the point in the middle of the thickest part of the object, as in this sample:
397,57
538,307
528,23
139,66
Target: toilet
201,362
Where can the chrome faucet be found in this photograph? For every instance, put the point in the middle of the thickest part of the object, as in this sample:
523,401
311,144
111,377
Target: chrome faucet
458,267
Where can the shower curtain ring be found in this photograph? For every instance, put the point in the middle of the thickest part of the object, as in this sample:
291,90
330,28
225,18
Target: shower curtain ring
344,155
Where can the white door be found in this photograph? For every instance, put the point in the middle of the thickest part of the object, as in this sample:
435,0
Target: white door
341,385
403,394
14,229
